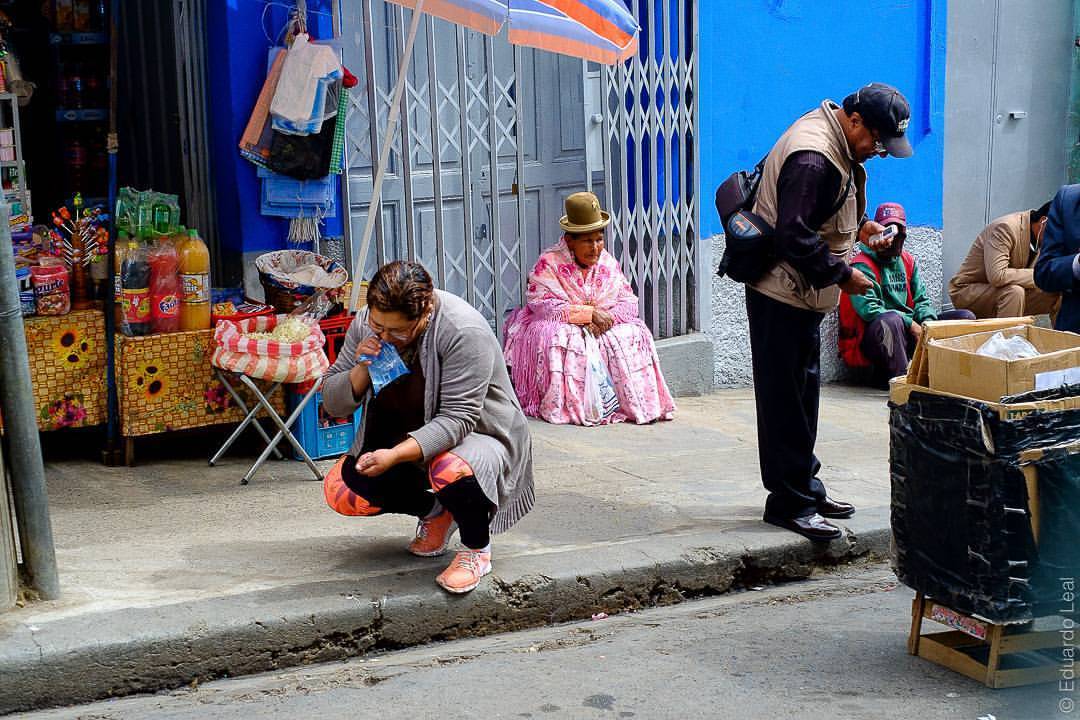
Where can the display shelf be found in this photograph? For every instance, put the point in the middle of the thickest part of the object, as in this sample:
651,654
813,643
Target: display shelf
81,114
78,38
9,117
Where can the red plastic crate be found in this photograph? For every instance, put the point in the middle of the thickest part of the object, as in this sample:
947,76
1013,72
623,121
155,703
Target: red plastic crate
335,328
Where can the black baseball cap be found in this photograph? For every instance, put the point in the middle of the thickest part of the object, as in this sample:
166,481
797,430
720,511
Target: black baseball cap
884,109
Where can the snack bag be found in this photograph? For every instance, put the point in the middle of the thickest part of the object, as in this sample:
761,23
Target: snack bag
385,368
52,293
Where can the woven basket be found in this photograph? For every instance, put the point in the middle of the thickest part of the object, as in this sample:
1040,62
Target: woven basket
281,292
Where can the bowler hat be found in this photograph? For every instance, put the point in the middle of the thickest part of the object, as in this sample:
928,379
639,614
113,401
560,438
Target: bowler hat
583,214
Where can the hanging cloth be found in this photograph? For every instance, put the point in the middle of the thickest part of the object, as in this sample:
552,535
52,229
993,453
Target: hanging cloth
255,142
307,67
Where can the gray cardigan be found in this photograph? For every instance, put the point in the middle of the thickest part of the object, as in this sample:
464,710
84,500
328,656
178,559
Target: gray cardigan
470,407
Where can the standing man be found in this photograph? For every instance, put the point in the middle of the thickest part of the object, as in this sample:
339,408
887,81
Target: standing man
1058,266
997,278
813,193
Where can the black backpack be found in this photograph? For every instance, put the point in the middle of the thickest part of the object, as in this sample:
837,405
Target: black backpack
748,250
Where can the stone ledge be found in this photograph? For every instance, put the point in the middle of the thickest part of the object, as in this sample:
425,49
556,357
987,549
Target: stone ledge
687,362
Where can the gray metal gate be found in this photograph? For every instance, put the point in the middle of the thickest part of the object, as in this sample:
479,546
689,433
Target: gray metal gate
651,153
471,104
474,103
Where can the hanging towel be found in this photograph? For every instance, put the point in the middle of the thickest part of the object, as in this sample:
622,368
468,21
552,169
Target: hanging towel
348,81
338,148
307,66
255,142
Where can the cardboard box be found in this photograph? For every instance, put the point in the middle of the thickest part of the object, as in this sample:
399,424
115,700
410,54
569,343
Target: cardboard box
919,371
968,477
955,367
900,390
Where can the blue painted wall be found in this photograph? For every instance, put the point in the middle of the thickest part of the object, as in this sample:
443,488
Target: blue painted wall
239,33
765,62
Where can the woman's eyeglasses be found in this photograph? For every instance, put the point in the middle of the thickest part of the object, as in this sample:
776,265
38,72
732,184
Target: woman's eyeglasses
399,335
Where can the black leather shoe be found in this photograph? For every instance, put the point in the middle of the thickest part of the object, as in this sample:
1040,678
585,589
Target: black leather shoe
835,509
813,527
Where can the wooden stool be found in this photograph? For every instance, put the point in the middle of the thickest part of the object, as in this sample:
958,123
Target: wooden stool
999,656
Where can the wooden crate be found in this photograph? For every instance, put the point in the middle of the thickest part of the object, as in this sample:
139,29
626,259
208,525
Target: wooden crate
67,368
997,655
166,383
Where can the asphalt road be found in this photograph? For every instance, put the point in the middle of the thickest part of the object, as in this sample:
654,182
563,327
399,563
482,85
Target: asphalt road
829,647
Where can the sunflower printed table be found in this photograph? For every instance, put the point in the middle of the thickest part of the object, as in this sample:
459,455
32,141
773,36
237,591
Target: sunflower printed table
166,383
67,368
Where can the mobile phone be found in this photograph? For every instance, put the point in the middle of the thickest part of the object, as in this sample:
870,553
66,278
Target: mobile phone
885,235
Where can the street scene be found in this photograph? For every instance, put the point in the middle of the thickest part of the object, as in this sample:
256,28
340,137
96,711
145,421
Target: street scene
539,359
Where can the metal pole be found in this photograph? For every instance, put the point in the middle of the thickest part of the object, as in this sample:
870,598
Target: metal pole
112,403
360,258
9,574
20,427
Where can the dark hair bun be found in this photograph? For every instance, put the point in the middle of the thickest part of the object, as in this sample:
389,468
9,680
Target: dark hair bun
401,286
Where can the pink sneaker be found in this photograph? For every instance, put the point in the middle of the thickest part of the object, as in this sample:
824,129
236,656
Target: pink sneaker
433,535
465,572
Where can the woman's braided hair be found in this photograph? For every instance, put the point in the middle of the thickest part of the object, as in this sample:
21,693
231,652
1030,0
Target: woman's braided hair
401,286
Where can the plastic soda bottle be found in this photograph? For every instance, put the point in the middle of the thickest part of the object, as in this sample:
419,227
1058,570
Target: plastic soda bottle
165,288
135,282
195,278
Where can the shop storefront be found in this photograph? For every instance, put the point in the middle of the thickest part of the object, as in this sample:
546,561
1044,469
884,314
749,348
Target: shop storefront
121,287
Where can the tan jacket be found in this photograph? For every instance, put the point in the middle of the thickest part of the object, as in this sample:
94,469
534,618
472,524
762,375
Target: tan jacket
820,131
1000,255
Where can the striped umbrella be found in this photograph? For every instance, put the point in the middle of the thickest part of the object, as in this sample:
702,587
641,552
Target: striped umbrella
603,31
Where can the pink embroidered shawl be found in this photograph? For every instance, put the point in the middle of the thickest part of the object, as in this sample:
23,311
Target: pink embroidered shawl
559,290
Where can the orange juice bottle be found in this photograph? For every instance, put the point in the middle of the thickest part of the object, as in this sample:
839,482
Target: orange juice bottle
195,281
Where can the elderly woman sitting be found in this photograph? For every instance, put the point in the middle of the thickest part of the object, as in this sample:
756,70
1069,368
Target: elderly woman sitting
578,296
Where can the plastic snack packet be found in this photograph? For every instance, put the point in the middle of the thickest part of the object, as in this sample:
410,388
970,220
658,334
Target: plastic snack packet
385,368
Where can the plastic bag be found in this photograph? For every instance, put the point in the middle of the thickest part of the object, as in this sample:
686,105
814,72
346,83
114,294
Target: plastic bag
601,402
385,368
307,65
1013,348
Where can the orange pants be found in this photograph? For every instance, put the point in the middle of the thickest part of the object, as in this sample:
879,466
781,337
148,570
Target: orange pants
444,470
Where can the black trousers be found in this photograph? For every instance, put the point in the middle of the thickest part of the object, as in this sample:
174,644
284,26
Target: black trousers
785,343
405,489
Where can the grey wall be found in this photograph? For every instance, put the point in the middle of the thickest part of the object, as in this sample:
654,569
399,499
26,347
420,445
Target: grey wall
730,335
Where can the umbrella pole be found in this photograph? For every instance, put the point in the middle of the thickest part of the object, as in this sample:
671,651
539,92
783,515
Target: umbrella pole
360,258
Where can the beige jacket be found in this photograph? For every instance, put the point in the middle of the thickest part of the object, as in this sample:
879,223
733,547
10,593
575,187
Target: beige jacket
820,131
1001,255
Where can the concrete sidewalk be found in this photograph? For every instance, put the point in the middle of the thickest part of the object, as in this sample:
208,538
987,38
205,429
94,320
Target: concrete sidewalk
173,572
